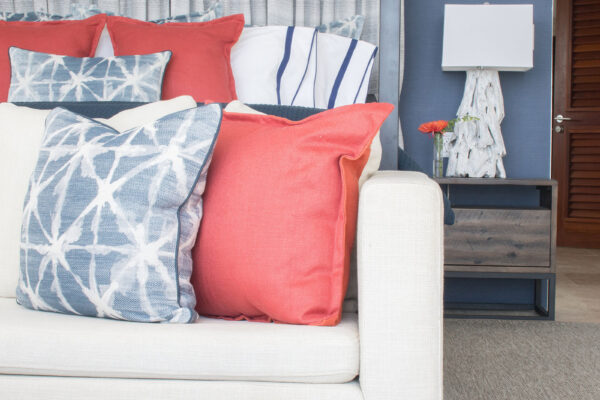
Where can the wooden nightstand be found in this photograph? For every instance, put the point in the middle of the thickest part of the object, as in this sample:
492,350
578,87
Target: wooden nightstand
498,241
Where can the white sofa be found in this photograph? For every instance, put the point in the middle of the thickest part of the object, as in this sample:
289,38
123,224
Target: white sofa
390,349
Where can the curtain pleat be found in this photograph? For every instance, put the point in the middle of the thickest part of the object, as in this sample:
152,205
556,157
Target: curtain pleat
108,5
180,7
23,6
7,6
57,7
280,12
156,9
258,12
238,7
40,5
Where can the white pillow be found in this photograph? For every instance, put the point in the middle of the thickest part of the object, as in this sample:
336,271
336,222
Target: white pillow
20,137
373,162
256,59
343,70
300,66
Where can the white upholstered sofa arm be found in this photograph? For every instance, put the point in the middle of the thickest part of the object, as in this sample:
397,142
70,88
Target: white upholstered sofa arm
400,285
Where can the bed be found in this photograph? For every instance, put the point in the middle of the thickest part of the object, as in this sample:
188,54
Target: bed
382,27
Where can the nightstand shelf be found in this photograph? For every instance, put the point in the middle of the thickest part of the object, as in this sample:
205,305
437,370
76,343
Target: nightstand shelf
503,242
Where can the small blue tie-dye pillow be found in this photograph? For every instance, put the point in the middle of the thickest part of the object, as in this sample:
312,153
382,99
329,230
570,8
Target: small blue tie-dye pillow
110,218
351,27
48,77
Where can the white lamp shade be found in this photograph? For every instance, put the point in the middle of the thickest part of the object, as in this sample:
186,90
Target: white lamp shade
488,36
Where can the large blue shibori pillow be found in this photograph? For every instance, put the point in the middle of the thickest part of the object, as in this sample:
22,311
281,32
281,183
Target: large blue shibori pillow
39,76
110,218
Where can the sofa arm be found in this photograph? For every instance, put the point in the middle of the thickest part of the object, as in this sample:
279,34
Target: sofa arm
400,286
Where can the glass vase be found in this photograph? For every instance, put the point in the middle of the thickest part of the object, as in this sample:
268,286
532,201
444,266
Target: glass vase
438,160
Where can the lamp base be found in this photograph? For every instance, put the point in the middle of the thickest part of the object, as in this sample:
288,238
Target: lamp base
476,148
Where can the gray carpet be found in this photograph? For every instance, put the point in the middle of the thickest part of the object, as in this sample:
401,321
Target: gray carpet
530,360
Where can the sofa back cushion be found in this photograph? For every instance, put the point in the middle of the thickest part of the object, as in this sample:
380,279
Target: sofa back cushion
20,137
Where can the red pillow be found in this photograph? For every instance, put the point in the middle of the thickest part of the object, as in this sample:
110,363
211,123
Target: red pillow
280,211
67,38
199,65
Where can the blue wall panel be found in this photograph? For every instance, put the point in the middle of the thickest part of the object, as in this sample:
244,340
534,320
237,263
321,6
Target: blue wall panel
429,93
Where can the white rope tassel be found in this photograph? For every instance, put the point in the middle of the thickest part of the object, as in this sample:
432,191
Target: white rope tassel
477,147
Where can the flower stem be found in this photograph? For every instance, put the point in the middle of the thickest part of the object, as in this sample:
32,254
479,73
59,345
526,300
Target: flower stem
438,160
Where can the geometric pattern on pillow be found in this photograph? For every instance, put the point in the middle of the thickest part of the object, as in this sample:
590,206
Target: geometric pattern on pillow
110,218
39,76
349,27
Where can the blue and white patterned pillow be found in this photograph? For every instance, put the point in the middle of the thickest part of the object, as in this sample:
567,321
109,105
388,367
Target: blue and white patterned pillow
349,27
110,218
31,16
47,77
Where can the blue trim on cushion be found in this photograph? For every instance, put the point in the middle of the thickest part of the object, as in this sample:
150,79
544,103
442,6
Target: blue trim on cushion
90,109
293,113
341,72
285,60
200,171
306,69
365,74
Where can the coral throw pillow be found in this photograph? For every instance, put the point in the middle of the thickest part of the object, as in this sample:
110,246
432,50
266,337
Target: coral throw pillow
200,64
68,38
280,215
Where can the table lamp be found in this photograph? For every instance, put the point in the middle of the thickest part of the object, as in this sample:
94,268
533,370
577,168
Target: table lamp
482,40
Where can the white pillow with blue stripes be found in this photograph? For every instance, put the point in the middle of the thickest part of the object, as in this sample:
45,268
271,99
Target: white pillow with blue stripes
300,66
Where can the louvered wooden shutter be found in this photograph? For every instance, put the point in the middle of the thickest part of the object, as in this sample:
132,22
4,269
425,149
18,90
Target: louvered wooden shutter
584,144
585,89
584,187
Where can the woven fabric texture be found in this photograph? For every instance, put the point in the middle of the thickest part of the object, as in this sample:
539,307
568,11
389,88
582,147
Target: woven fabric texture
110,218
39,76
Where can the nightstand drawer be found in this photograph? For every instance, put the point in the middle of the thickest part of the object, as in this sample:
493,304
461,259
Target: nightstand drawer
499,237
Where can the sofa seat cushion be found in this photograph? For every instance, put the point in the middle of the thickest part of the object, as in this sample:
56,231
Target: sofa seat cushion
44,343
